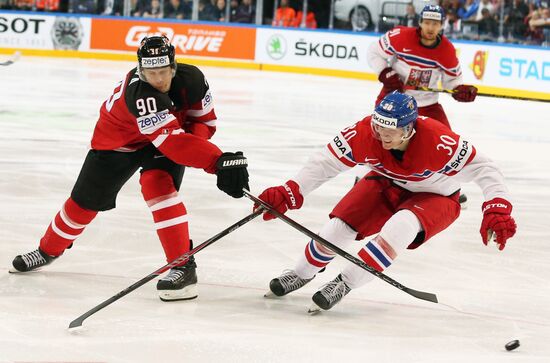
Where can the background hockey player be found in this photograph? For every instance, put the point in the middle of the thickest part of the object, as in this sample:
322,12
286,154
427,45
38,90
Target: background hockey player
407,57
410,195
158,119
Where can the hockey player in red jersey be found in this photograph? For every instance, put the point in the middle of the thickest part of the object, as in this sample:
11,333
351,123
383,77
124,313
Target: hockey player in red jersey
406,57
158,119
410,195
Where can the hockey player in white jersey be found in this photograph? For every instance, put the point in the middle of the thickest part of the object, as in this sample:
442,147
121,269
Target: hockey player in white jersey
411,194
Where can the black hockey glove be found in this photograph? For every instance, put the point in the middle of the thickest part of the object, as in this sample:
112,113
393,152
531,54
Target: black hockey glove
232,173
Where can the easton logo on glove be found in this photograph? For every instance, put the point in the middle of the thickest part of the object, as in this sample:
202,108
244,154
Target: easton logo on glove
503,206
497,207
282,198
497,222
390,74
290,196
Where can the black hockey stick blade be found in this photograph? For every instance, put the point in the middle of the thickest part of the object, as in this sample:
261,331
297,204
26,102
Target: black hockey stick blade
78,321
14,58
418,294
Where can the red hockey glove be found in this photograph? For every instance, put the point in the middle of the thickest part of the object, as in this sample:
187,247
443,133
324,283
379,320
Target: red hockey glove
282,198
390,79
497,219
465,93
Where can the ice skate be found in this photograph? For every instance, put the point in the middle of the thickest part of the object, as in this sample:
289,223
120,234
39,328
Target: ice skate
180,283
286,283
31,261
329,295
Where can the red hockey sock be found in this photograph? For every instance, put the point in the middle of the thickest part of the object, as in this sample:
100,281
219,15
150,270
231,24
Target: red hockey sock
317,255
169,213
67,225
378,254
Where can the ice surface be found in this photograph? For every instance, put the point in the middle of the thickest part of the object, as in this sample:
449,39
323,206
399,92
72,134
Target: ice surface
48,108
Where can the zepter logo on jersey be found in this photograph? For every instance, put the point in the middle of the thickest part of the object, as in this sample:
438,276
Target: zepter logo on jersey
150,123
207,100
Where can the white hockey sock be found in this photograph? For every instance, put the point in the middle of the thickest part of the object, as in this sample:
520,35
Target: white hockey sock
316,256
396,234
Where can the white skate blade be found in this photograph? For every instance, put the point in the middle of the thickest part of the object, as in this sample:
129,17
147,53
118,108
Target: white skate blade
13,270
187,293
77,330
314,309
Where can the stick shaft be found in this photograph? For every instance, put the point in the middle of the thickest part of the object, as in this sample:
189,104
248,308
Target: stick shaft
484,94
78,321
418,294
12,59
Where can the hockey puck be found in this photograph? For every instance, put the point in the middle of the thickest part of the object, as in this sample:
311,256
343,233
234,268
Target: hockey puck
511,345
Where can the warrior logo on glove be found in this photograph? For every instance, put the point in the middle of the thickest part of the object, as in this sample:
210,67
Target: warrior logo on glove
232,173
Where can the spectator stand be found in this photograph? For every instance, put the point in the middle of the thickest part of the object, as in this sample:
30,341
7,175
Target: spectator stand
511,21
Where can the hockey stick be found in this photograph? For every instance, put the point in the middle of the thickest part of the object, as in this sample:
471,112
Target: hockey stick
451,91
14,58
78,321
418,294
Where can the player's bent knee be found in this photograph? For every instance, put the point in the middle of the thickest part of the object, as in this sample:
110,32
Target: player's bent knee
401,229
155,183
337,232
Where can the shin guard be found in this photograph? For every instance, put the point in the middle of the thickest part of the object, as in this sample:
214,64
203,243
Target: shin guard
169,213
67,225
